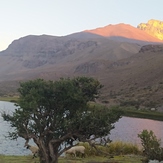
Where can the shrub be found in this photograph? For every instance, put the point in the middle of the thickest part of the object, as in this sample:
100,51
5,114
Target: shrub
151,145
113,148
119,147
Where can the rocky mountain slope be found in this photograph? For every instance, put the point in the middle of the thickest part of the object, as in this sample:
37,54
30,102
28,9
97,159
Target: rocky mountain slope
138,80
34,56
126,60
153,28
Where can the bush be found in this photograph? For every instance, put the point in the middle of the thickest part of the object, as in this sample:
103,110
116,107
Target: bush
123,148
151,145
113,148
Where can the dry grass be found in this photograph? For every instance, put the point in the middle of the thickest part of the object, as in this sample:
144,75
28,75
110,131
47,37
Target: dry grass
112,149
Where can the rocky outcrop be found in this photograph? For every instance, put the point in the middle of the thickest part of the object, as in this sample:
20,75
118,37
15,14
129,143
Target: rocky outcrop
153,28
151,48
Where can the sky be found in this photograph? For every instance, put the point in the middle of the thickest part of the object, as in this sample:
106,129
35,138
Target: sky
19,18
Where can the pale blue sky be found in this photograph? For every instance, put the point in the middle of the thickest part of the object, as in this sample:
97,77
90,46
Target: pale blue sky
20,18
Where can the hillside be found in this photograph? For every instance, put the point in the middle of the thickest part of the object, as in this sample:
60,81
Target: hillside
34,56
126,60
137,80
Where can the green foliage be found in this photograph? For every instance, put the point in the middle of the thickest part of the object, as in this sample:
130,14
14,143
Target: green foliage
151,145
53,113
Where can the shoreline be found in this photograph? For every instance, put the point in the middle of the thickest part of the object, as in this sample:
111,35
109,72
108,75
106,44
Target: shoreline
153,115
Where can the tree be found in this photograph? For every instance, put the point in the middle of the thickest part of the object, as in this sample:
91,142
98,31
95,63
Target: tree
56,113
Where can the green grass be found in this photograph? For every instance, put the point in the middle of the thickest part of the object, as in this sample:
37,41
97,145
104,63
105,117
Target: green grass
144,114
115,152
97,159
93,159
17,159
9,99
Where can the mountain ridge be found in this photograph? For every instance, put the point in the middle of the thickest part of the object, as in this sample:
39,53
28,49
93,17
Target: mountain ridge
124,30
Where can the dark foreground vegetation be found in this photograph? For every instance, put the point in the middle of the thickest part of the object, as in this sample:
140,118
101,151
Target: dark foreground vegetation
115,152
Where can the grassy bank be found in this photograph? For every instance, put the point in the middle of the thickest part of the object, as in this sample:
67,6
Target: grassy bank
9,99
133,112
94,159
17,159
154,115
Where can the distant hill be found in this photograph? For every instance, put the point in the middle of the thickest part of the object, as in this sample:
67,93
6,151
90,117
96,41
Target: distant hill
126,60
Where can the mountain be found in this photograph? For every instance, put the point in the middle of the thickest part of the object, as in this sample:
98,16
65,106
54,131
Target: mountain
33,56
126,60
153,28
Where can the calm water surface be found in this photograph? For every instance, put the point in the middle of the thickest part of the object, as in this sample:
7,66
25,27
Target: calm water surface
126,130
7,146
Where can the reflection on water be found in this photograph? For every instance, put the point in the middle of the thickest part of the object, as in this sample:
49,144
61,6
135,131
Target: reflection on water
126,130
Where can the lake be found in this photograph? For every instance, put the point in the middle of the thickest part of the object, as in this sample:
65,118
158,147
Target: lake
7,146
126,130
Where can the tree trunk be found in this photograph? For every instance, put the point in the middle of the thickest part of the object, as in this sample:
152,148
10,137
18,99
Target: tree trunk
53,159
48,156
